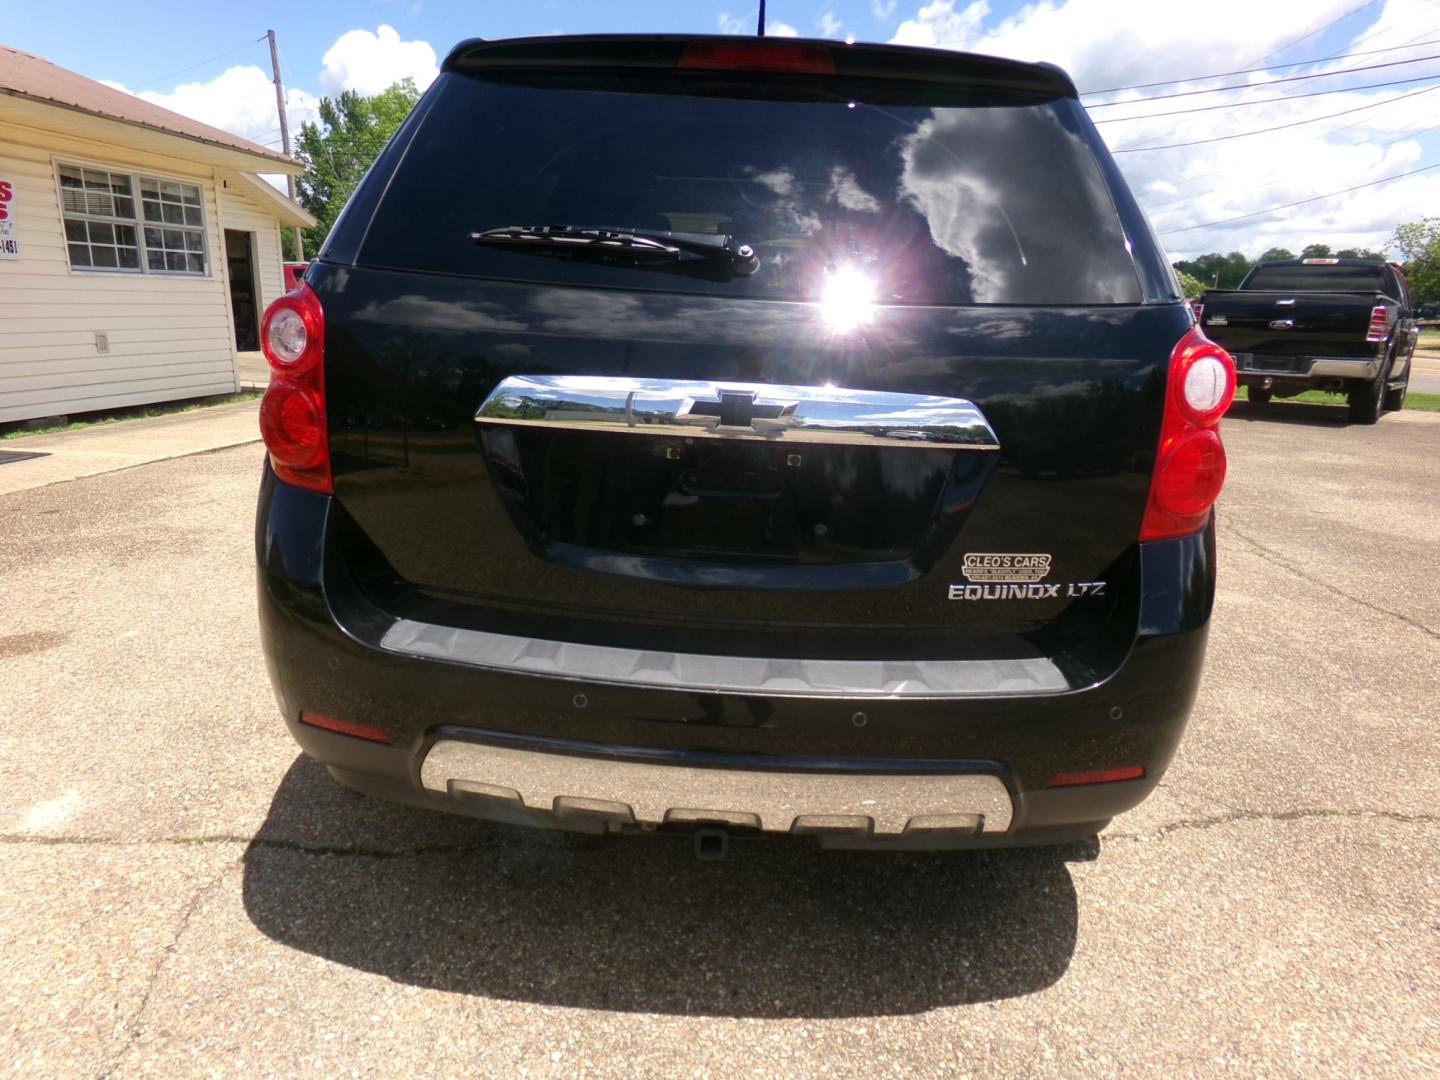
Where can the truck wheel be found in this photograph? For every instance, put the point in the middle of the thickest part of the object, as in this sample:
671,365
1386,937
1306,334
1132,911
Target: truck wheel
1258,395
1395,399
1367,399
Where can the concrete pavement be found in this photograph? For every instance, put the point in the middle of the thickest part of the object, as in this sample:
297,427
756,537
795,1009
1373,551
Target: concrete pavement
103,448
183,893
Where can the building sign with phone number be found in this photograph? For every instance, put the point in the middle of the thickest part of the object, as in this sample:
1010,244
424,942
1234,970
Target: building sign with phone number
9,246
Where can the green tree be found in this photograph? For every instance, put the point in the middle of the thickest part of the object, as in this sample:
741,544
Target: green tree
1419,246
337,150
1316,251
1190,285
1216,271
1359,253
1276,255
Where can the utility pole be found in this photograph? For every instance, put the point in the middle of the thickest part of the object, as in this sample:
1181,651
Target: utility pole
760,22
284,133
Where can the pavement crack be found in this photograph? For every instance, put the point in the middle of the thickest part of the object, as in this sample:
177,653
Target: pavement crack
134,1024
1307,814
1273,556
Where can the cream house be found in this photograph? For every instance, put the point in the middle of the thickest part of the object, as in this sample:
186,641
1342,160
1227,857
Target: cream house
138,247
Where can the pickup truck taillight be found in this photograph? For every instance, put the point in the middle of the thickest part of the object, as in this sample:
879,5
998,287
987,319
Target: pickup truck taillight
292,413
1379,324
1190,460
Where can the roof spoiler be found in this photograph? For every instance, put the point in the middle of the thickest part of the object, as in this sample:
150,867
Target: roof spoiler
664,52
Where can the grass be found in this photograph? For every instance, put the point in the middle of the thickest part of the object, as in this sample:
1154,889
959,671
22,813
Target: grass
1419,402
134,412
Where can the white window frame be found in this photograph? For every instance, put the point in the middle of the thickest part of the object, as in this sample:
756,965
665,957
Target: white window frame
139,222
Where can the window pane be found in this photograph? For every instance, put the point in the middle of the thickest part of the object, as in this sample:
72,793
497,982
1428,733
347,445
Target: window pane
124,206
194,242
79,255
152,238
104,256
102,233
155,260
192,216
192,196
75,230
149,188
174,260
125,234
152,211
174,215
197,263
130,258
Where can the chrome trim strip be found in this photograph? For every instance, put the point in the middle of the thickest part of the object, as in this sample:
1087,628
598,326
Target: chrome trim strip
644,793
1344,368
725,674
692,409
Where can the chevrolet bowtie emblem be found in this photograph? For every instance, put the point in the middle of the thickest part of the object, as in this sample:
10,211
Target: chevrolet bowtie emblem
737,410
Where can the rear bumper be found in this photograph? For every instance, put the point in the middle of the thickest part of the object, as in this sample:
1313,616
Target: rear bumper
970,768
1249,365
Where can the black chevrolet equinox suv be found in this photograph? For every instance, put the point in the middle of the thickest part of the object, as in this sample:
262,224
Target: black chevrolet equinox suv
738,436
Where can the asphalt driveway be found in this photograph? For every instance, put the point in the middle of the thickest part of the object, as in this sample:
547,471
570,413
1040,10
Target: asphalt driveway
181,892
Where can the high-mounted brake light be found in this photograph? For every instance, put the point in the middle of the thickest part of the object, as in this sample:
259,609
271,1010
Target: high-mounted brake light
1190,459
757,56
1319,262
292,413
1379,324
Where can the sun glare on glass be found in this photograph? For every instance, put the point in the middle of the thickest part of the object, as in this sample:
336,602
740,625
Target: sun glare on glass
847,299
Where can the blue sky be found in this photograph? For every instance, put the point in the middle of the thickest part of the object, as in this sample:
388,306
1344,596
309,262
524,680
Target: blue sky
1192,192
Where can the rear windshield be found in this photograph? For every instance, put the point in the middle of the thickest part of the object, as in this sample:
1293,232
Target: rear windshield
908,204
1318,278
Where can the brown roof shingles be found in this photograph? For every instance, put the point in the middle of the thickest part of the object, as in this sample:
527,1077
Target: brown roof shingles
27,75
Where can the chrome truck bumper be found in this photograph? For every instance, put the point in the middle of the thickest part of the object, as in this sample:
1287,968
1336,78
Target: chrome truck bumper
633,790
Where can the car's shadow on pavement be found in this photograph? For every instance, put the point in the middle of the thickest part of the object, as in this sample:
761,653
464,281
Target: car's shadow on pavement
1291,412
779,929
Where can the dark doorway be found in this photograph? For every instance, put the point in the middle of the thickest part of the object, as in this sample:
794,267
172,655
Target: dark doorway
240,255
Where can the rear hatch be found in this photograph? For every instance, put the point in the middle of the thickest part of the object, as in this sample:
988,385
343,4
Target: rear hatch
933,371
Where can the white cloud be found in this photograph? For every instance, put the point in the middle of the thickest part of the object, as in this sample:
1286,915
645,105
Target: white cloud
732,24
369,63
781,29
939,25
829,25
1105,43
240,100
882,9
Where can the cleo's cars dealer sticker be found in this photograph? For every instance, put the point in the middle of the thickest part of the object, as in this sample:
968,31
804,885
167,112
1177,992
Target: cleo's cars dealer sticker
1009,576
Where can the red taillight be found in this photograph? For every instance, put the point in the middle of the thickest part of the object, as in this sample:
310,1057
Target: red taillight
344,727
757,56
292,413
1378,324
1190,460
1097,776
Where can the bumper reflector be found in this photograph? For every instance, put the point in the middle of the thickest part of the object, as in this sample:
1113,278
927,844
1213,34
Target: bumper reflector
1097,776
344,727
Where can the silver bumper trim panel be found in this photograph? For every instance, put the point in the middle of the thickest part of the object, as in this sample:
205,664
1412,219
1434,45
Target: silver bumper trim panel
623,792
725,674
1342,368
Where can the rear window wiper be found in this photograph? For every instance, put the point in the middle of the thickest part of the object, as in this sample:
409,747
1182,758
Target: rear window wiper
637,245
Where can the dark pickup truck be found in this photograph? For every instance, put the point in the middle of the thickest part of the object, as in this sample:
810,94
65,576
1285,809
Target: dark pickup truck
1319,324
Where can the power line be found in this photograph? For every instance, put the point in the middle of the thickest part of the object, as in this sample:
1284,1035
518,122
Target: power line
1242,71
1132,149
1259,86
1281,97
1319,30
1301,202
1314,138
202,63
1279,177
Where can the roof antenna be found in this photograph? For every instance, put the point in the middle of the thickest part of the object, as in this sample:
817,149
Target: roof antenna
760,25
